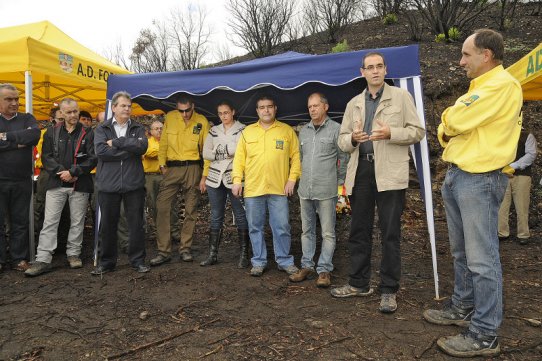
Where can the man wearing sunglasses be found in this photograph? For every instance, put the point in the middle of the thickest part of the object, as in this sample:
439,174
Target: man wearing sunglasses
179,158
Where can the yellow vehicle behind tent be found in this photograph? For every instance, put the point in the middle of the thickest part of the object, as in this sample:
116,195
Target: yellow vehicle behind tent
528,70
47,65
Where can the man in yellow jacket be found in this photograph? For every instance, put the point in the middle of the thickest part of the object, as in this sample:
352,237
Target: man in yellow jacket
179,159
267,158
479,134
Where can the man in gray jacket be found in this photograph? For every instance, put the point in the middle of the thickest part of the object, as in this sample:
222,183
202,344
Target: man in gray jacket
323,167
120,143
377,128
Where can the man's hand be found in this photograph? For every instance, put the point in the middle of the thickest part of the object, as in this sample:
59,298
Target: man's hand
163,170
237,190
289,187
359,136
65,176
110,143
202,185
380,133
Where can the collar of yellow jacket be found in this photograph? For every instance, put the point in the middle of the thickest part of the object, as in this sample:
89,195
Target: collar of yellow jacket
275,124
479,81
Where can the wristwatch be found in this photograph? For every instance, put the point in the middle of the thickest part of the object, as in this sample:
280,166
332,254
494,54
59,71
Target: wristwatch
4,136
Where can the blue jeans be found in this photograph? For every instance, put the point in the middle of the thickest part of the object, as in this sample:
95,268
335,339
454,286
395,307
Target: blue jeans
217,199
472,204
278,220
327,214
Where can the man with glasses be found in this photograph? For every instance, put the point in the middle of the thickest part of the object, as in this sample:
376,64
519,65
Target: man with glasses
19,132
153,177
377,128
179,159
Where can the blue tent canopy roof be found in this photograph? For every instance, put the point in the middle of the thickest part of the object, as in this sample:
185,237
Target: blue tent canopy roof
274,74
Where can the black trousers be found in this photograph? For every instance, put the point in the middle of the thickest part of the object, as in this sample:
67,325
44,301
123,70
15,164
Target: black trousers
134,203
390,206
15,196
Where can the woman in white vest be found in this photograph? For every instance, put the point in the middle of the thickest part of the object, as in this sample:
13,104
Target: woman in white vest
219,148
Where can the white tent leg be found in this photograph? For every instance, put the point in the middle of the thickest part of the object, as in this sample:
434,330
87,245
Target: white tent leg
28,109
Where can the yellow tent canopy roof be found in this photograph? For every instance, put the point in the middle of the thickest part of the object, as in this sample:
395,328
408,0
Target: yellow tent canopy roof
528,70
60,67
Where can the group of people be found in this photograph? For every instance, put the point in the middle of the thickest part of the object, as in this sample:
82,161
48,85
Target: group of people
257,167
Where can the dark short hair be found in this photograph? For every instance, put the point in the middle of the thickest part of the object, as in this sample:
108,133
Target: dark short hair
491,40
372,53
53,111
266,97
84,113
185,99
227,103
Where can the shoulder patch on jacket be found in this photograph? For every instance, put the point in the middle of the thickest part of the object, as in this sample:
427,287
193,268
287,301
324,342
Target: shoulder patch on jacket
470,100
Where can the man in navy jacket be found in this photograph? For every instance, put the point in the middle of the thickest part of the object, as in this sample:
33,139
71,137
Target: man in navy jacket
120,143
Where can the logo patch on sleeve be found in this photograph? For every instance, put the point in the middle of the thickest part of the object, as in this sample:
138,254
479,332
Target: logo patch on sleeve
470,100
279,144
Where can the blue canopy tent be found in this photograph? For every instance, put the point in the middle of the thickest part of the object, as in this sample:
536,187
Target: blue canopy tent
289,77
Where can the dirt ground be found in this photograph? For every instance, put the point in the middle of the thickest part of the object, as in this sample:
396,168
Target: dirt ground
184,311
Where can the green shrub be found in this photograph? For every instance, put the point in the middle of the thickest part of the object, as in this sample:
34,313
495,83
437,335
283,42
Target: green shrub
440,38
341,47
454,34
389,19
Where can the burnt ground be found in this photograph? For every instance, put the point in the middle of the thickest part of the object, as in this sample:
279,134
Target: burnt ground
184,311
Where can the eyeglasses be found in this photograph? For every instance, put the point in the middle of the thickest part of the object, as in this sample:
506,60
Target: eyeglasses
160,128
187,110
373,67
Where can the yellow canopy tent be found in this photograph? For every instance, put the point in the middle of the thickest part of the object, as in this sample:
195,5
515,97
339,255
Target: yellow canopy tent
528,70
47,65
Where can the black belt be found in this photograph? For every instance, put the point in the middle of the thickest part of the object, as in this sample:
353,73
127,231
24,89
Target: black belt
181,163
370,157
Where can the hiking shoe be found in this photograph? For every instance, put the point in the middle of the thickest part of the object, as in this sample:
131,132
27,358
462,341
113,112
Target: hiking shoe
523,241
302,275
324,280
100,270
75,262
291,269
449,315
469,344
142,268
159,259
388,303
351,291
22,266
37,268
187,257
257,271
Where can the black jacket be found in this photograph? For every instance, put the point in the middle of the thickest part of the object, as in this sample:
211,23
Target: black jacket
75,154
15,161
120,168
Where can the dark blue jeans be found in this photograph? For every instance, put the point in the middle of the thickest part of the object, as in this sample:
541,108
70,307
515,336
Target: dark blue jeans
133,203
217,199
390,206
15,198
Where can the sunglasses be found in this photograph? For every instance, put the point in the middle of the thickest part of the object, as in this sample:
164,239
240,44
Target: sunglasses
187,110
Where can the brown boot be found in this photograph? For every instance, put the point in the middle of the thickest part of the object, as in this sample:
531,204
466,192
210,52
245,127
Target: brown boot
214,241
244,245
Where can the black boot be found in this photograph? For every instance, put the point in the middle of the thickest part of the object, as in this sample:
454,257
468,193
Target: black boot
214,240
244,244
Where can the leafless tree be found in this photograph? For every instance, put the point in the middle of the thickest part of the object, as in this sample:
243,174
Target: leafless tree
330,18
507,13
260,25
189,35
150,52
441,15
385,7
115,54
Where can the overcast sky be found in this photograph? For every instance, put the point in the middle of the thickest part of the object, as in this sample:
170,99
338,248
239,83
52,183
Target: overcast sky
101,24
